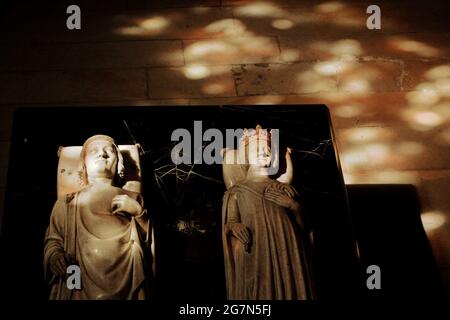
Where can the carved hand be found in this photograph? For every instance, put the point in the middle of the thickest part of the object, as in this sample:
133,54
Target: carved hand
124,203
59,263
242,233
281,199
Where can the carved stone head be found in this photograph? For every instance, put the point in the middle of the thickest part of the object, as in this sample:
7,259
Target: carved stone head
100,158
257,147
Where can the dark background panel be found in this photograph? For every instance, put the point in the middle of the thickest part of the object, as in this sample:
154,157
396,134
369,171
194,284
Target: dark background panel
390,235
189,263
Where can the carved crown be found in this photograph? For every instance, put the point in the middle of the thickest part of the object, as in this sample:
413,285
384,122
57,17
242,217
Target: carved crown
255,135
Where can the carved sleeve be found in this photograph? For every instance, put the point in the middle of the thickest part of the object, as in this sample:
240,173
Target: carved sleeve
143,222
232,211
54,237
299,213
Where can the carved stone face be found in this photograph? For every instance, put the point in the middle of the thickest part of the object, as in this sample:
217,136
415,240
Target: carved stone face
259,153
101,160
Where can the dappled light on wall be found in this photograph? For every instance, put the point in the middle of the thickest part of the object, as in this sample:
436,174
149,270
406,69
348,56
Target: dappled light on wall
149,26
410,148
382,176
433,220
377,148
215,88
349,110
366,156
328,68
155,23
282,24
219,50
331,61
310,81
356,86
366,134
423,120
227,27
340,14
347,21
197,71
345,49
330,7
210,47
429,103
419,48
259,10
424,95
438,72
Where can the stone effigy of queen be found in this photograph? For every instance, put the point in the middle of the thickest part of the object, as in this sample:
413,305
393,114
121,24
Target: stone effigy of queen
102,228
265,239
